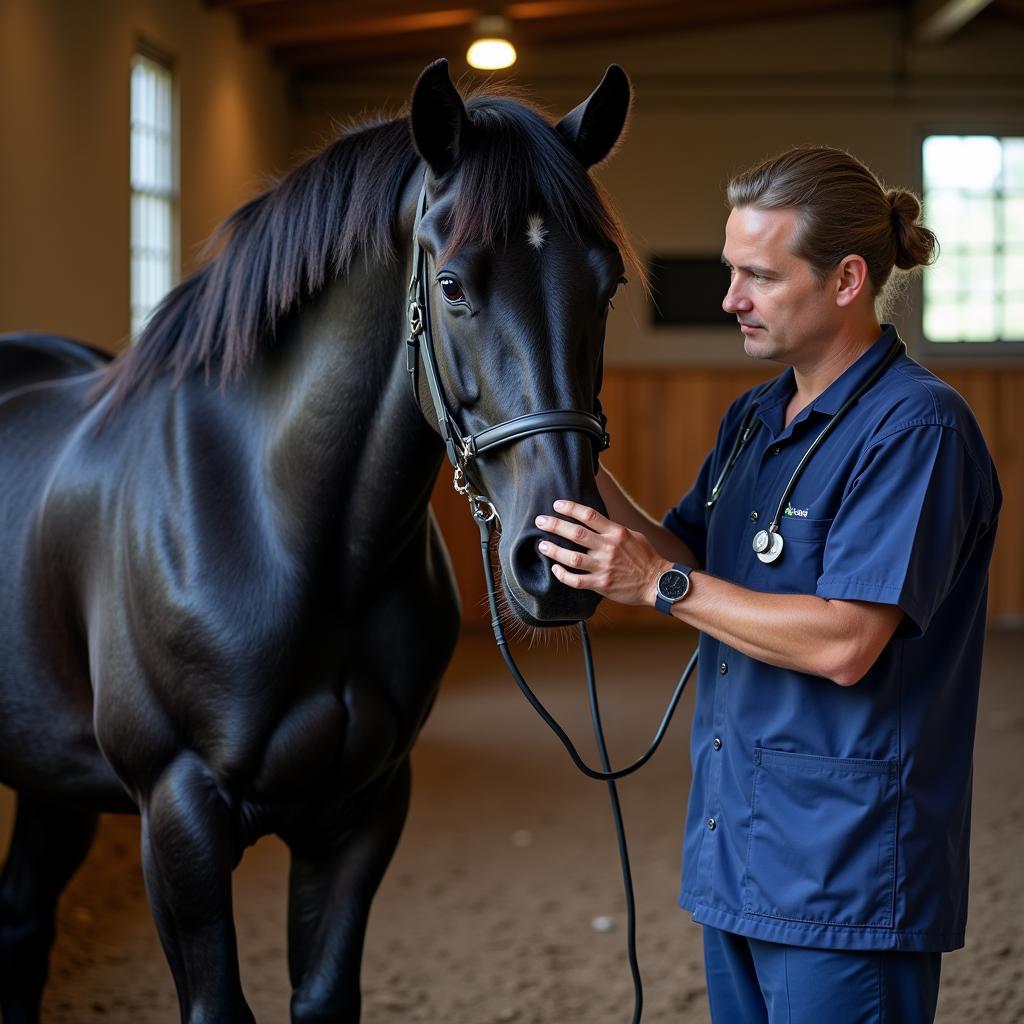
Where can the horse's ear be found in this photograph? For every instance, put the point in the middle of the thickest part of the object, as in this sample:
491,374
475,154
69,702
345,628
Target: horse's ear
593,128
438,118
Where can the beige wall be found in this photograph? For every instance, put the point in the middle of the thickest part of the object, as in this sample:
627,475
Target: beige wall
710,102
64,108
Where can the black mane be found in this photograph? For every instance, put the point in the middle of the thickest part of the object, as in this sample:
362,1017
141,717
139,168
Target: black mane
289,242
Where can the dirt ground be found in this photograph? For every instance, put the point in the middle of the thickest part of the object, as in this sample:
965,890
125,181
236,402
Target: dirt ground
491,909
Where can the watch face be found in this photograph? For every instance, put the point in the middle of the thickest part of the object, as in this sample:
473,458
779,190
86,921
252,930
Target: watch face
673,584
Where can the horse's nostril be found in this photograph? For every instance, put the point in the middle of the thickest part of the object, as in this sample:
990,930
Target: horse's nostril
532,571
542,596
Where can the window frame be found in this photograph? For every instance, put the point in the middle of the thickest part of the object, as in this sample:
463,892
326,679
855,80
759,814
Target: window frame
912,327
148,51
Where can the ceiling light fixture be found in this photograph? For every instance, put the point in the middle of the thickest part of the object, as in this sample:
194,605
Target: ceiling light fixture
491,49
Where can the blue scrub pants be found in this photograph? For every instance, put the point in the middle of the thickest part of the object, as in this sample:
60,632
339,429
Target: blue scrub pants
755,982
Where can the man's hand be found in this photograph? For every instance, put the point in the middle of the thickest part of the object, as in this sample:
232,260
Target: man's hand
617,563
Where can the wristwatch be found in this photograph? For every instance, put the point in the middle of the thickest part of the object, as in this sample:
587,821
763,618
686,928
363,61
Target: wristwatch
673,585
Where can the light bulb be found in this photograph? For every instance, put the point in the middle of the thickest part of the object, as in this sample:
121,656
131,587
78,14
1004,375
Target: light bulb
491,54
491,50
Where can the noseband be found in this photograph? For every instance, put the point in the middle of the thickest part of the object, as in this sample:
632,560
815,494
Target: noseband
463,448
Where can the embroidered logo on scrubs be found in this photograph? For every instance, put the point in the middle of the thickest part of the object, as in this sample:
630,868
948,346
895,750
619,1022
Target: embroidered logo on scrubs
800,513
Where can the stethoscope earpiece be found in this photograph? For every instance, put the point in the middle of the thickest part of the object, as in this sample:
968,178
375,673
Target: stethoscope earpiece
768,545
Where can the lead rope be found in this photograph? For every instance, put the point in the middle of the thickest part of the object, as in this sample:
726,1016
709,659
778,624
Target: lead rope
485,515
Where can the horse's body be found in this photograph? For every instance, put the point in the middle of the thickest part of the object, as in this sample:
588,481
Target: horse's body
229,608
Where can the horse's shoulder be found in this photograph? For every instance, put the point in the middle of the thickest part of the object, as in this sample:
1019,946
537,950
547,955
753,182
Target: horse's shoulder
31,358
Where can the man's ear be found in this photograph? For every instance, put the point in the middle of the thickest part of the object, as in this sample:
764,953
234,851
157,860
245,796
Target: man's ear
852,279
593,128
438,119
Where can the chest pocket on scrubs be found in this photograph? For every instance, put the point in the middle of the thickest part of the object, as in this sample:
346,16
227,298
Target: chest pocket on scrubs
803,555
822,839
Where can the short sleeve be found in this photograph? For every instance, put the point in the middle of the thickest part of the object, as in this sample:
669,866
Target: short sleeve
910,517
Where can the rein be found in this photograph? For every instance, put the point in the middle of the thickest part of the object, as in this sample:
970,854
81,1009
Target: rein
462,449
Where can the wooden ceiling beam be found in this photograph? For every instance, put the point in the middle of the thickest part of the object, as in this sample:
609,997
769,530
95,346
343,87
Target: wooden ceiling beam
935,21
328,24
531,10
327,34
287,23
616,21
672,10
239,5
324,56
606,18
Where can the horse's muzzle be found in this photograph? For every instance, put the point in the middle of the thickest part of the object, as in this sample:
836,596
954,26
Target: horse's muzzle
538,597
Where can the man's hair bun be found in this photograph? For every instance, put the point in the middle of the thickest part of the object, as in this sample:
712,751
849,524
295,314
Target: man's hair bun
916,246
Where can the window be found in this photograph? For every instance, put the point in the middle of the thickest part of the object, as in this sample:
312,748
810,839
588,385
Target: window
154,238
974,202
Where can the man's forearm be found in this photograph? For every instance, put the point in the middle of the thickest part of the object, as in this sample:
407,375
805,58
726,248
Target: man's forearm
622,509
839,640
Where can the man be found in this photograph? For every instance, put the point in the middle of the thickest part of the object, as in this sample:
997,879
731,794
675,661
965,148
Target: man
842,610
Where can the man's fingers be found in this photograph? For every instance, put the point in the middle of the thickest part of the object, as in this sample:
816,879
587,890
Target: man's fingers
573,559
587,528
590,517
579,580
570,531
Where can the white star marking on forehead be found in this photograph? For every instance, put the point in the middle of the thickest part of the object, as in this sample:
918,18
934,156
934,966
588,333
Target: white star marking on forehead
535,231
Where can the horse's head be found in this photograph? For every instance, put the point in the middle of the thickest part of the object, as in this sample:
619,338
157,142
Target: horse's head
521,257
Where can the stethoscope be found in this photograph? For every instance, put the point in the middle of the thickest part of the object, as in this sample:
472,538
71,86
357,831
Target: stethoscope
768,543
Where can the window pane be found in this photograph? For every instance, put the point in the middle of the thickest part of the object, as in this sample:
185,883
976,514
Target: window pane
153,207
944,212
1013,320
978,318
974,202
1013,271
1013,164
944,279
980,274
942,321
978,226
962,161
1013,221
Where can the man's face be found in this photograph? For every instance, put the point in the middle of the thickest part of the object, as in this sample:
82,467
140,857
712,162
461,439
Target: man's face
784,312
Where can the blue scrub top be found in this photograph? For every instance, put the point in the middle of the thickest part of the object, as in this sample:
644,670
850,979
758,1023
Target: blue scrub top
823,815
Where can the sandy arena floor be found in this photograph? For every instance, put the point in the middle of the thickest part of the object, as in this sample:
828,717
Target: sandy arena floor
487,913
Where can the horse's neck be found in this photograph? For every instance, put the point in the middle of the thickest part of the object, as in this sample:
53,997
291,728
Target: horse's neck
345,444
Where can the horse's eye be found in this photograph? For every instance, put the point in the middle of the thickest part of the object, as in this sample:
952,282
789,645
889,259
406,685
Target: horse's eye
451,289
621,280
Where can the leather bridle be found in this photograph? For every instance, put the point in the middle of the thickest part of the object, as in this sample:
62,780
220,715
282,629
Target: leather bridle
464,448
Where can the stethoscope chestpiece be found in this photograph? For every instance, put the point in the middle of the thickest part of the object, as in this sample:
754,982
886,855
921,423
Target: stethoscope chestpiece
768,545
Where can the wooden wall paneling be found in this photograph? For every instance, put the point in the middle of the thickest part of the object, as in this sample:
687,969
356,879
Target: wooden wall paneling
995,397
463,541
630,410
980,389
1006,600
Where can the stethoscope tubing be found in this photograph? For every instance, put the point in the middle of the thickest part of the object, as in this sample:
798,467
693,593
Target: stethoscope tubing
748,427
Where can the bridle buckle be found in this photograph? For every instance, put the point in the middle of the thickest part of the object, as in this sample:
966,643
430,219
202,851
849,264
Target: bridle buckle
482,508
415,318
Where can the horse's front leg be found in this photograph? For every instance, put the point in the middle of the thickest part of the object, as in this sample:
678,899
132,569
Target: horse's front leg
336,869
188,853
48,844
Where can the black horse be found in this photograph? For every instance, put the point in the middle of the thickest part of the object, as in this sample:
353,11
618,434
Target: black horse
224,600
